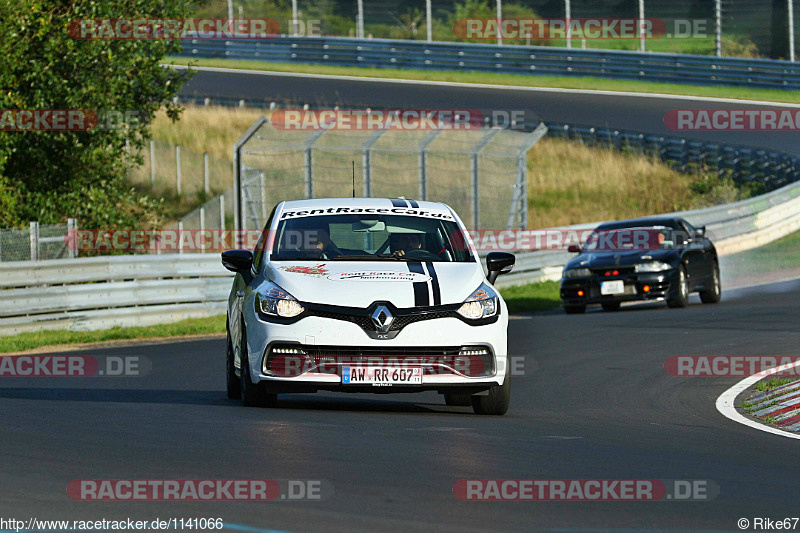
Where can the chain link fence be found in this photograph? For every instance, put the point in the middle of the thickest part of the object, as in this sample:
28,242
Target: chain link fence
749,28
37,242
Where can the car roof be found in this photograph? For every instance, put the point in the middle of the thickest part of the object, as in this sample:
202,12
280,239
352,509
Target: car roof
324,203
649,222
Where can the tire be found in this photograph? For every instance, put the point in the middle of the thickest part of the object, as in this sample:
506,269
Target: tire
232,380
458,399
715,294
574,309
252,394
611,306
682,298
497,401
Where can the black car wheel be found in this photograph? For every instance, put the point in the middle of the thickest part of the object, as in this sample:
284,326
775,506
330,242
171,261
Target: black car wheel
610,306
496,402
574,309
458,399
714,294
681,297
232,380
253,395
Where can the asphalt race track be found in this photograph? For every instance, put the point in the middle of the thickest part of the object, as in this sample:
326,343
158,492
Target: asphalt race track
610,110
595,403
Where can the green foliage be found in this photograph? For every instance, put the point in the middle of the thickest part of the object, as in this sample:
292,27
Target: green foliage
48,175
710,189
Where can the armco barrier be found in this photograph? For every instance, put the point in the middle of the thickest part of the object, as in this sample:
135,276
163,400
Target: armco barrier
102,292
550,61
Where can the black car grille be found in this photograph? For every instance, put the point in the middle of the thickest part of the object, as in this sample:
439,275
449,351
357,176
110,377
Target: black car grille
434,360
361,317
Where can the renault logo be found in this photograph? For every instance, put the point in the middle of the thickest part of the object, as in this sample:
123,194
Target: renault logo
382,318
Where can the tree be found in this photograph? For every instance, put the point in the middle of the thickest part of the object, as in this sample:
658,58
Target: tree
51,175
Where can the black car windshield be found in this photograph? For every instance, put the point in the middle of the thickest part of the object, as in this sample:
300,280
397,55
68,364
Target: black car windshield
628,239
370,238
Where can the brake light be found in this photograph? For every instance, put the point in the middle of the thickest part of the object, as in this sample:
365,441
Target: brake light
646,288
580,293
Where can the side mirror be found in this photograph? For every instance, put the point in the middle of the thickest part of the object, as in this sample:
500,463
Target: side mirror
240,261
700,232
499,263
574,248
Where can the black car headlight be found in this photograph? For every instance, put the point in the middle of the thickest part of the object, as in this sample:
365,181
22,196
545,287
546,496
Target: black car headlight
274,301
576,273
652,266
482,303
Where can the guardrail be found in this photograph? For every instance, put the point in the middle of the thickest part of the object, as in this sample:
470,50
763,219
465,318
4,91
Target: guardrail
388,53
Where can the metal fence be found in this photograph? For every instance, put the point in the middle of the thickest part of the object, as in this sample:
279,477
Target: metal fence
386,53
481,173
37,242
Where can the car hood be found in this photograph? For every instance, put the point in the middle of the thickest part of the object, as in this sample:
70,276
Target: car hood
358,284
596,260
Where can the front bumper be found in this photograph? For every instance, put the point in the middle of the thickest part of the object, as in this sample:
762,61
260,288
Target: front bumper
638,287
340,343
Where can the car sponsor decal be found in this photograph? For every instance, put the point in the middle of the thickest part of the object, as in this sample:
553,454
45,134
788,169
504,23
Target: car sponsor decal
404,208
420,289
437,293
372,275
316,270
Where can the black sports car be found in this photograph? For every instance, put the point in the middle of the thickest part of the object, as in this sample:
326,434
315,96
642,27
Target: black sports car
641,259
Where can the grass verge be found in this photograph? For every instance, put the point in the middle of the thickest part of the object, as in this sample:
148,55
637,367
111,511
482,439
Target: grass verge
525,298
192,326
520,80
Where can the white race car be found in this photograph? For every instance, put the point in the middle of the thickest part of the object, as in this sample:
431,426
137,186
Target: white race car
367,295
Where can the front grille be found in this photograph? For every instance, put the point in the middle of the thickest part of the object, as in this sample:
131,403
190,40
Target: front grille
361,317
471,361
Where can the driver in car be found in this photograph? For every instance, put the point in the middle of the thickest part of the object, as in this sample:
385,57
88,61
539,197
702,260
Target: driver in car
402,243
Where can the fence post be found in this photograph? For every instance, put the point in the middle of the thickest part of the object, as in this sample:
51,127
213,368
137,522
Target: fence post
178,169
423,163
203,227
205,173
34,241
222,212
72,240
152,164
180,236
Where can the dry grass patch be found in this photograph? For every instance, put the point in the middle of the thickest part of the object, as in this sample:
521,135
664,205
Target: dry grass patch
570,183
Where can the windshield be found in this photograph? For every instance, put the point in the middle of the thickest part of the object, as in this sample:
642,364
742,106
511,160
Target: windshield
626,239
364,238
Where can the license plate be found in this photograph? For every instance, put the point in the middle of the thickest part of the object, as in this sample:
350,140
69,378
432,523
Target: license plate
612,287
381,375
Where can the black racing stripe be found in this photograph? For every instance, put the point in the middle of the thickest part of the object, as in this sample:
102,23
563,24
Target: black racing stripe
437,293
398,203
420,288
414,204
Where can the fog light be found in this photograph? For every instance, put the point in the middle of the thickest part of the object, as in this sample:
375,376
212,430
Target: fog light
646,288
580,293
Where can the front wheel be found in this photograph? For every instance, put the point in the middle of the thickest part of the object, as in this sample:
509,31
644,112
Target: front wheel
253,394
232,380
714,294
681,298
496,402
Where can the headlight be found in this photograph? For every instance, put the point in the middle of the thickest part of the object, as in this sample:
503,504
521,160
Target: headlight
576,273
653,266
275,301
482,303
